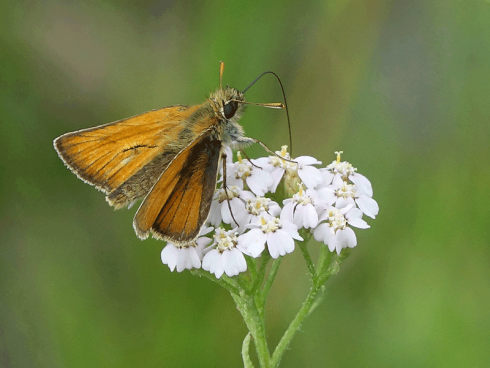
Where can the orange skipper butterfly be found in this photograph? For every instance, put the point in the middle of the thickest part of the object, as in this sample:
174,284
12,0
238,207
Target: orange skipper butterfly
168,156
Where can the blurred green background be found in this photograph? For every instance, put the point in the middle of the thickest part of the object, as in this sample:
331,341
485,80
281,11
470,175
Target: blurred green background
402,87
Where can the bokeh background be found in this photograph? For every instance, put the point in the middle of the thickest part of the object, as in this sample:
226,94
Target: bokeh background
402,87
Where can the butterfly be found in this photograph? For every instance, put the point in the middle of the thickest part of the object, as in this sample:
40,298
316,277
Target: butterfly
169,157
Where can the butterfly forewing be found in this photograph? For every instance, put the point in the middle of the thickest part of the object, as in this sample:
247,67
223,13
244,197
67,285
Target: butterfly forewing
179,203
108,155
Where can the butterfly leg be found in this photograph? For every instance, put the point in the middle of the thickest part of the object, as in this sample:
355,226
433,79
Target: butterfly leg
223,155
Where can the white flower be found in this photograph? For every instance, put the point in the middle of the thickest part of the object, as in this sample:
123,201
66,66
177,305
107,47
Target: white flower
342,194
344,169
260,206
256,178
277,234
301,168
234,198
303,208
334,232
225,257
184,257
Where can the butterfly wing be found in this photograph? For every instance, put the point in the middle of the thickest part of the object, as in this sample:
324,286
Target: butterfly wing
179,203
139,147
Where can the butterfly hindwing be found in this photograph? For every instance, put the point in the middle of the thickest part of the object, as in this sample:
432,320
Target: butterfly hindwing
179,203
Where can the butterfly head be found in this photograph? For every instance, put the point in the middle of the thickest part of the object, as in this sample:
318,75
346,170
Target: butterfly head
226,103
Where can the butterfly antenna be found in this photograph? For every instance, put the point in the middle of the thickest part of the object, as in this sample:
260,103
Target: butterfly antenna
221,69
285,104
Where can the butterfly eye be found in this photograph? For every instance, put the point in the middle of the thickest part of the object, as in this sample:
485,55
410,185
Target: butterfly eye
230,109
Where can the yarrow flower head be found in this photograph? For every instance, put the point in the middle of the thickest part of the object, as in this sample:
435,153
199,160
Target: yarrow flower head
249,217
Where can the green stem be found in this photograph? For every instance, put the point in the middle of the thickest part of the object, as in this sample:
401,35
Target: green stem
308,260
252,266
270,279
294,326
261,273
323,259
308,306
247,362
255,324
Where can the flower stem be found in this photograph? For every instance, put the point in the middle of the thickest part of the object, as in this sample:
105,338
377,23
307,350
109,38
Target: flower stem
256,325
247,362
293,327
308,260
308,306
268,283
259,279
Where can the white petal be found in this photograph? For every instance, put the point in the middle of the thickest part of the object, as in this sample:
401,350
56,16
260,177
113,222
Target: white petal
291,229
209,260
169,256
299,214
327,194
347,208
337,181
331,240
245,194
237,208
310,216
212,262
259,182
362,183
195,257
279,243
276,175
368,205
327,176
233,180
274,209
205,230
182,261
311,176
344,202
234,262
214,217
242,263
353,213
307,160
229,263
252,243
201,245
287,211
359,223
264,163
346,238
325,234
319,232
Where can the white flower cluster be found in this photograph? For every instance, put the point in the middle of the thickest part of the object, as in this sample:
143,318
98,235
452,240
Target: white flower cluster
327,201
